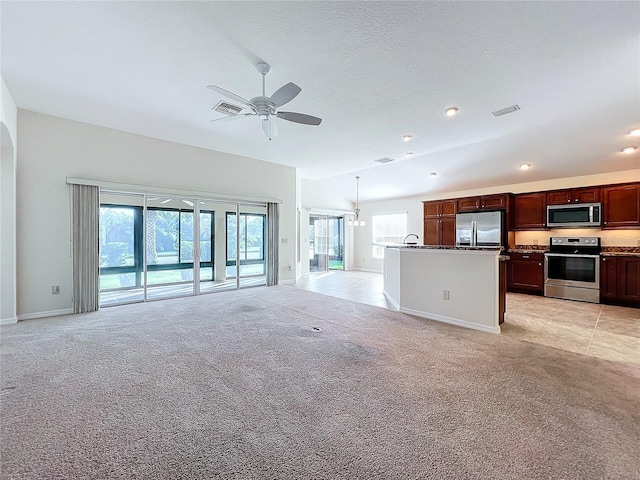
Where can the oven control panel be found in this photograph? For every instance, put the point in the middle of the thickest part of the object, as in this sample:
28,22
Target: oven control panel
579,241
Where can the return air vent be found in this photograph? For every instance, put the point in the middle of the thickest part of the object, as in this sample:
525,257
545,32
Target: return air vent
384,160
505,111
227,108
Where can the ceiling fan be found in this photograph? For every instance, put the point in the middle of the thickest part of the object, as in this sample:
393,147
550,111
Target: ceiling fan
266,107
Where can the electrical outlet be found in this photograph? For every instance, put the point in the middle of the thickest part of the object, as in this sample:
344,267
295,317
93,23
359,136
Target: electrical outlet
55,290
445,294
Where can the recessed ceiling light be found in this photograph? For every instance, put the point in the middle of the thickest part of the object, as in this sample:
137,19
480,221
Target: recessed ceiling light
451,111
525,166
635,132
433,174
629,150
408,154
406,138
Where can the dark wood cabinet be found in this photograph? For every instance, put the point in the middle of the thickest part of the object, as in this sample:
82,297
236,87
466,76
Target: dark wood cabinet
608,283
440,231
440,208
440,222
485,202
529,211
525,273
621,206
620,280
574,195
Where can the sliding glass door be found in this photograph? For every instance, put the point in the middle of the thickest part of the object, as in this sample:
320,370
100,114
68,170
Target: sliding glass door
154,247
169,247
326,243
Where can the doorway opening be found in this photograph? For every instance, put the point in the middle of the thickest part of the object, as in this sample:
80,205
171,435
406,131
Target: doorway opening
326,243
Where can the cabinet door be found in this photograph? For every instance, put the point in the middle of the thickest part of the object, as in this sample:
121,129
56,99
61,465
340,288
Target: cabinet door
628,278
586,195
470,203
608,283
558,197
493,201
530,211
525,274
431,209
431,231
448,231
448,207
621,206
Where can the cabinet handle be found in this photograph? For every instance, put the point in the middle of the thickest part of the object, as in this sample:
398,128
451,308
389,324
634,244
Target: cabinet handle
604,259
606,223
576,200
569,201
525,256
540,263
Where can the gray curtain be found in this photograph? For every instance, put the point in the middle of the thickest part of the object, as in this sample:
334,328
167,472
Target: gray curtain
85,216
273,245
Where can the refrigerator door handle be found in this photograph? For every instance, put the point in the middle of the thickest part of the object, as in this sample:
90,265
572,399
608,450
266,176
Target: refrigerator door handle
474,233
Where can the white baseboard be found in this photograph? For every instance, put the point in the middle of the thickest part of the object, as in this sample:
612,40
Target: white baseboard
368,270
291,281
8,320
391,300
49,313
452,321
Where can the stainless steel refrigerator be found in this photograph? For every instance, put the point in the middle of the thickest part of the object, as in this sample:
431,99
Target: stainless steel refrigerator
479,229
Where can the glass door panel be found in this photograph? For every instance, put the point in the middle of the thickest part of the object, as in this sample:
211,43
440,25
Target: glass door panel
335,243
252,246
214,274
169,230
121,261
318,246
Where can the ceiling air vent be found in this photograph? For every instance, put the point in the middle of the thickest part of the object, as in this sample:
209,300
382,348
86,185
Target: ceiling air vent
384,160
505,111
227,108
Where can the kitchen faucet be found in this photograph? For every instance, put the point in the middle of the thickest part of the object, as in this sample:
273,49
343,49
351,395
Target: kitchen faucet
404,242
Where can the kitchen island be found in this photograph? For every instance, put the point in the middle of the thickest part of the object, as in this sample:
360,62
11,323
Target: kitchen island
463,286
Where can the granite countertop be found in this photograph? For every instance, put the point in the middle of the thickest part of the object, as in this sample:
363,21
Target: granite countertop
526,250
622,253
451,247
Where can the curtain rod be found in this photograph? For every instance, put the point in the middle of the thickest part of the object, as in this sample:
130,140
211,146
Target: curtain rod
157,190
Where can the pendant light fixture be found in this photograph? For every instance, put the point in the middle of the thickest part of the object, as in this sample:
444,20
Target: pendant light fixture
357,222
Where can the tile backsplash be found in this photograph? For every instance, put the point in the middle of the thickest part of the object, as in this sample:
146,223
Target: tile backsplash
609,238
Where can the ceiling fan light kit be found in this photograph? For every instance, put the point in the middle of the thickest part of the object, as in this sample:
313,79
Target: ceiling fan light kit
267,107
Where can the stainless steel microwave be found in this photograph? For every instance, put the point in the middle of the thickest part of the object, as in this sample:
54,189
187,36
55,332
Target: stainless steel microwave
575,215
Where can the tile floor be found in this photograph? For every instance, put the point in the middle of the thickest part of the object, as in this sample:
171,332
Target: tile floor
604,331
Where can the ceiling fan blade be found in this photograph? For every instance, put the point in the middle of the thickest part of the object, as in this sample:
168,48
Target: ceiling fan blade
285,94
270,129
299,118
231,96
232,116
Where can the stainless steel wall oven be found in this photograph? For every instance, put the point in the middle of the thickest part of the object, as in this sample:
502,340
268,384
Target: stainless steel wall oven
572,269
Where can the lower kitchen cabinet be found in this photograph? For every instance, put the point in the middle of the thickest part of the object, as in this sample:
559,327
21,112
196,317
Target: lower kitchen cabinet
620,280
526,273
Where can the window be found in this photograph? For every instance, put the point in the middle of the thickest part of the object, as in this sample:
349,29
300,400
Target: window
390,228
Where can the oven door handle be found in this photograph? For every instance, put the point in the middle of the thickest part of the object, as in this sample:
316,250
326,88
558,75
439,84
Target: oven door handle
571,255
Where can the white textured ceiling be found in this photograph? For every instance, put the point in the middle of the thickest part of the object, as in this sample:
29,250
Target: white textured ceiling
372,70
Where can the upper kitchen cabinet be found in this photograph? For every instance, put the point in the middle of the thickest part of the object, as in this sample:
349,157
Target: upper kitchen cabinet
485,202
621,206
440,208
529,211
574,195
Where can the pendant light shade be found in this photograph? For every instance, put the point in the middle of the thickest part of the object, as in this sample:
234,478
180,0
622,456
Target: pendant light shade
357,222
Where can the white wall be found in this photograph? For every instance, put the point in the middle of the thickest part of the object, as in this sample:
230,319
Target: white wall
8,151
413,205
51,149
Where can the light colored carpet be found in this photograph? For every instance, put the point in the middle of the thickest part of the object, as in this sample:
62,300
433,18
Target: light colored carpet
239,385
